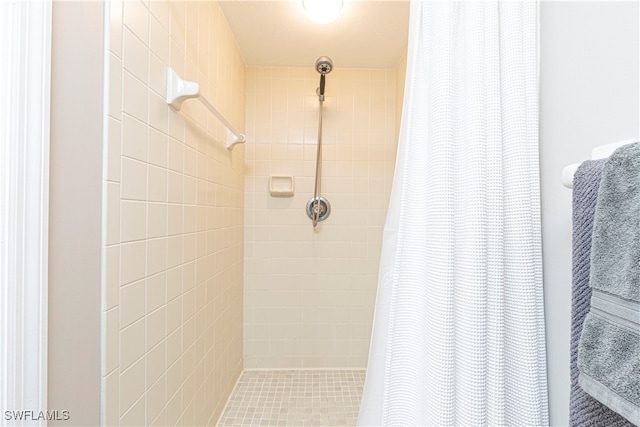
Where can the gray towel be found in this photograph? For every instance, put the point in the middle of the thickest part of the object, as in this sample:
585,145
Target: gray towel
609,349
584,410
615,266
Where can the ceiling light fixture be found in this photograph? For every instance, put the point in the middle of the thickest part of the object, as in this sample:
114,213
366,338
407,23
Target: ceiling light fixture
322,11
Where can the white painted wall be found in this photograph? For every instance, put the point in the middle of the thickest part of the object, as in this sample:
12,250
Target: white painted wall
589,80
74,212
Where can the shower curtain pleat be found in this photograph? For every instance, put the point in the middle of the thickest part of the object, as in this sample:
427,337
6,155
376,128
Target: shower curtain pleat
458,333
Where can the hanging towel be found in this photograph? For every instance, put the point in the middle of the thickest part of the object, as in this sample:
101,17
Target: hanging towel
609,349
584,410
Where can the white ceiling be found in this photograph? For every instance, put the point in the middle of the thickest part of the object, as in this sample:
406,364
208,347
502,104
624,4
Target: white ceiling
367,34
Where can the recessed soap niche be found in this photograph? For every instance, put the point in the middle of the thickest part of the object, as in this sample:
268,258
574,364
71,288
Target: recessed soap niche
281,186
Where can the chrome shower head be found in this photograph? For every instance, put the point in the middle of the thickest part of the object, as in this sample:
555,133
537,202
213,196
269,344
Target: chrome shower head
324,65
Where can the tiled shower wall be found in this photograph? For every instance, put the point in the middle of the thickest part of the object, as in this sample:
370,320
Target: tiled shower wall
173,254
309,294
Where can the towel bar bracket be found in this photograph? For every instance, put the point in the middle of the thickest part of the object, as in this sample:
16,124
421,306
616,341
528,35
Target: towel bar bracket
179,90
599,152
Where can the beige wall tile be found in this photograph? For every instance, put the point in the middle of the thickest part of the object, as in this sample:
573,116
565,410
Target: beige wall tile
133,215
112,324
155,399
300,283
158,145
133,181
159,41
132,262
158,111
135,95
132,387
132,343
132,299
173,219
157,184
156,327
135,56
156,256
112,398
136,19
174,262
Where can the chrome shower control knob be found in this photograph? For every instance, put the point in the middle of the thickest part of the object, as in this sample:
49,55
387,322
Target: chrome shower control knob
319,208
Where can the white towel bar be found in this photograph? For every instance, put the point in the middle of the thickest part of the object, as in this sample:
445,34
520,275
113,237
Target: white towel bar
600,152
179,90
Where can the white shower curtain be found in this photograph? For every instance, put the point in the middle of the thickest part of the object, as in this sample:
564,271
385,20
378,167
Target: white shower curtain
458,335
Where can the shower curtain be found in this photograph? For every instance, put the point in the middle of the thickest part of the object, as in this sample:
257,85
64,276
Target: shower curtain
458,334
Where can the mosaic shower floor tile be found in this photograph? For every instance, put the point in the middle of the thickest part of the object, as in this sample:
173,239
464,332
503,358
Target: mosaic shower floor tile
295,398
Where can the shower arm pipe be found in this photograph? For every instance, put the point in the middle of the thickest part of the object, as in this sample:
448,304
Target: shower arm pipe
179,90
318,183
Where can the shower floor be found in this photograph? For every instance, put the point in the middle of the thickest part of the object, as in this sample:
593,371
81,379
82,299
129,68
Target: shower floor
295,398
